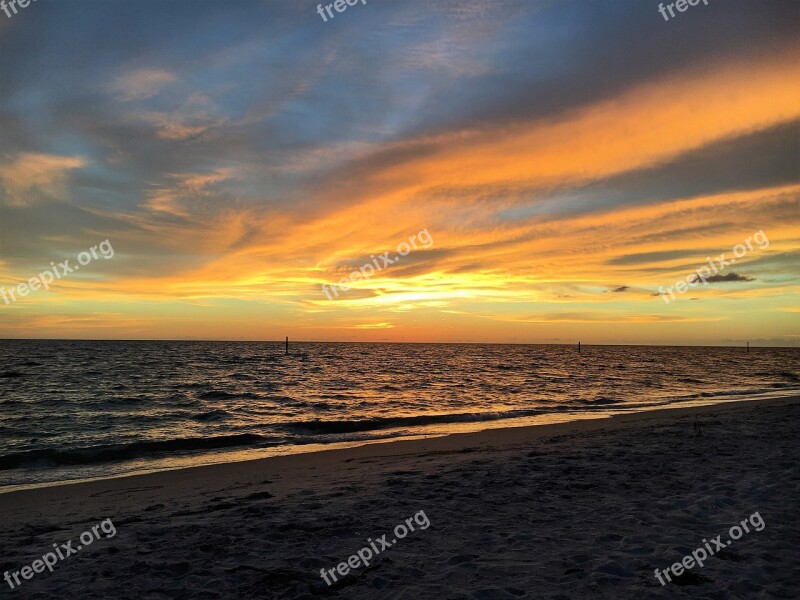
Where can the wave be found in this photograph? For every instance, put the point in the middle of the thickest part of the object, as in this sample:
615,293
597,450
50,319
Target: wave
740,392
782,374
601,401
101,454
788,375
346,426
212,415
11,374
242,377
220,395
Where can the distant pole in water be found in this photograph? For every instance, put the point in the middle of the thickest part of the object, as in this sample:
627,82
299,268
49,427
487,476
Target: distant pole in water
579,347
748,346
287,344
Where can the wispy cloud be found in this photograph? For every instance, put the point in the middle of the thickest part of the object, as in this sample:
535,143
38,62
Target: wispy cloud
29,177
142,83
186,191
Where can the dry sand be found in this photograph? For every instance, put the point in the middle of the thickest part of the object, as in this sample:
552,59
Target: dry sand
579,510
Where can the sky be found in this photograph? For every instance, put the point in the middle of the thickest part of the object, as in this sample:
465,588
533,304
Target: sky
567,162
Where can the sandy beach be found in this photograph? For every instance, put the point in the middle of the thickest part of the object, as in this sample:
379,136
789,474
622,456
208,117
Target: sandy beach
579,510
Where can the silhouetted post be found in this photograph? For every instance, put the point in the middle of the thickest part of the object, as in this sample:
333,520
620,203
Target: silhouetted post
579,347
287,344
748,346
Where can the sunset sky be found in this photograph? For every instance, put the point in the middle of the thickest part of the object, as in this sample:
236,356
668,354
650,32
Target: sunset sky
567,157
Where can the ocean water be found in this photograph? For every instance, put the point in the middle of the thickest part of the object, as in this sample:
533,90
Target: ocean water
81,409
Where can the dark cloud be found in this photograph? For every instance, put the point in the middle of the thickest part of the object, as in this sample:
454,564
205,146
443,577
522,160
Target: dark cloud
622,288
727,278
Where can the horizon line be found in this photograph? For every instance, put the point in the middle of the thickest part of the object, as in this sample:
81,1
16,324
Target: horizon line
744,344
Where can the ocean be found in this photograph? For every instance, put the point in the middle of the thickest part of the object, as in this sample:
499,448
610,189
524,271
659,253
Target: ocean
72,410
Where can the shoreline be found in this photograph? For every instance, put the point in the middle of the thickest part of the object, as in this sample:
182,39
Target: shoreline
383,448
235,456
585,509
